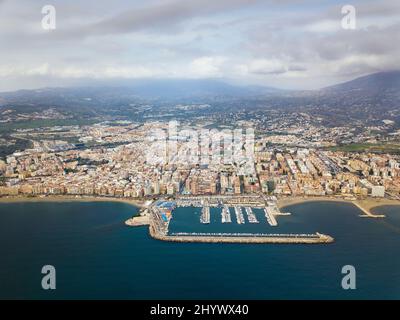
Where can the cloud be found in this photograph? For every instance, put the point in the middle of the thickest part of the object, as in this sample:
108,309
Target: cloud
272,42
266,67
206,67
160,15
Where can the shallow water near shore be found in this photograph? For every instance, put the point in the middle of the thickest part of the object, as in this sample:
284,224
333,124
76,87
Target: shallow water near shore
97,256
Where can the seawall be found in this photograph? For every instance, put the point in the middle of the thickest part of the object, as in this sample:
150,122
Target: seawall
318,239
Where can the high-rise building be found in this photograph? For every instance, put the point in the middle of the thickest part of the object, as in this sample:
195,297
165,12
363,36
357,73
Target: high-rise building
170,189
156,187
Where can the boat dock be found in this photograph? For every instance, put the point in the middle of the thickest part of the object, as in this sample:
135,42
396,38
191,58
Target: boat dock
239,215
269,214
205,215
250,215
226,215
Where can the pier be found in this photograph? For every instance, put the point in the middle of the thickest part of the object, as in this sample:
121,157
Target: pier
226,215
270,216
239,215
250,215
205,215
367,213
138,221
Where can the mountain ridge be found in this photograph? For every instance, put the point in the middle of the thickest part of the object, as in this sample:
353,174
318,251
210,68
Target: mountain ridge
375,83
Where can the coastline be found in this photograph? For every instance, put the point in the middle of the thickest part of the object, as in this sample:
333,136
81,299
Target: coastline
136,203
365,205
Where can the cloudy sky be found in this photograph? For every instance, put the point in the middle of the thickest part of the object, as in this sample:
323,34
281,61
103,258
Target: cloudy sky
281,43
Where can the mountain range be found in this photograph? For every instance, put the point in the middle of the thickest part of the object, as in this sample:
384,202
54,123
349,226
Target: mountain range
372,84
369,97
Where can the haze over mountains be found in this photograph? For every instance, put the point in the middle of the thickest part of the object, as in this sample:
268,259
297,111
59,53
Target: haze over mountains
376,83
374,96
145,89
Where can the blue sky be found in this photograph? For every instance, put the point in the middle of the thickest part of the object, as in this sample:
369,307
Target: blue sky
281,43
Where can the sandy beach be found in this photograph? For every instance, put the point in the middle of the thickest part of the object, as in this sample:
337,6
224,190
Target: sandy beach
365,205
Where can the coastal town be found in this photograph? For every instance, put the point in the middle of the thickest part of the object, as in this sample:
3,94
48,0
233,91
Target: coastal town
199,158
117,164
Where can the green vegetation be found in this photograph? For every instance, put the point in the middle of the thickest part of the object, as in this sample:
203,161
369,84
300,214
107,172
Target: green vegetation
368,147
89,162
9,127
20,144
56,136
68,170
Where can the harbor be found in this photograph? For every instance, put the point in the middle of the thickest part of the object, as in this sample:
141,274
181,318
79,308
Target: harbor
217,210
238,204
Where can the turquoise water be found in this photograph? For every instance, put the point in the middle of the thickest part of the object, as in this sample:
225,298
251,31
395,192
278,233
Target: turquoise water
96,256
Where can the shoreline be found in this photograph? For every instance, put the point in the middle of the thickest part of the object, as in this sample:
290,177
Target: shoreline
15,199
365,205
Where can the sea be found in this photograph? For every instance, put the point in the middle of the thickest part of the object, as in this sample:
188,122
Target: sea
96,256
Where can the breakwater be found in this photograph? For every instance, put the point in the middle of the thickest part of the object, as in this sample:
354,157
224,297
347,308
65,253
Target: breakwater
316,238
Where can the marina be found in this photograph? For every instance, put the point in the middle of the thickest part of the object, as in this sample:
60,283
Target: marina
162,212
